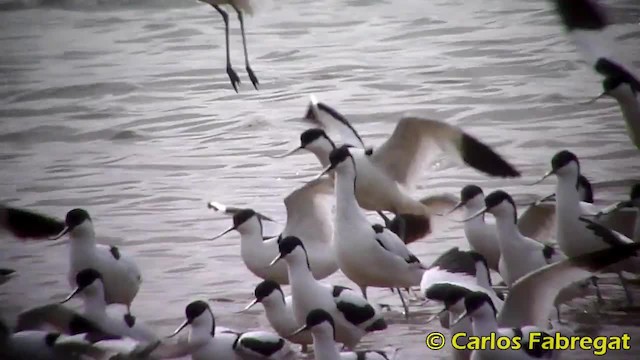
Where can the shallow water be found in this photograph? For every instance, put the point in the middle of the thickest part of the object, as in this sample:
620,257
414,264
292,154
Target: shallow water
124,108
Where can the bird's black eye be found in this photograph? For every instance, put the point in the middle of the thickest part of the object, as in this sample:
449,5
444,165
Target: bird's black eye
242,216
469,192
339,155
563,158
76,217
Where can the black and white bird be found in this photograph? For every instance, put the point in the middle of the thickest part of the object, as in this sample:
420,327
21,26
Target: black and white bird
388,173
321,325
589,28
574,236
279,311
120,273
353,314
309,217
369,255
205,343
241,7
481,231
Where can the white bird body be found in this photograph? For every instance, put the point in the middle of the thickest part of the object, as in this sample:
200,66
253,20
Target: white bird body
309,217
482,233
369,256
121,275
279,312
353,314
322,327
204,342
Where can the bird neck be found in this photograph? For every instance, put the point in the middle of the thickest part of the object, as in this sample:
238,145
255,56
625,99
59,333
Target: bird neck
299,272
347,206
507,232
484,325
324,346
94,304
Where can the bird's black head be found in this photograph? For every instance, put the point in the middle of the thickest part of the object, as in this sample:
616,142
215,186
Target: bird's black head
86,277
498,197
195,309
265,289
242,216
288,244
615,75
635,192
449,294
562,159
339,155
469,192
317,317
76,217
477,299
312,135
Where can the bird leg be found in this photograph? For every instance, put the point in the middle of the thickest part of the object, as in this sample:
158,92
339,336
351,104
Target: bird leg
252,76
233,77
623,282
594,281
404,305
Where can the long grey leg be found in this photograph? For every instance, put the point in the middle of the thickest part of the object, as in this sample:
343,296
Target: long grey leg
624,283
594,281
252,76
404,305
233,77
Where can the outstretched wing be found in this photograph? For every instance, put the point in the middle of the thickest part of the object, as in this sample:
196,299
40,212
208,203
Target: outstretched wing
415,142
25,224
309,210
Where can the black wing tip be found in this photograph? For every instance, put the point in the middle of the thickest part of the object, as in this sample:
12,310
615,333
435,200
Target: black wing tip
598,260
456,261
483,158
581,15
25,224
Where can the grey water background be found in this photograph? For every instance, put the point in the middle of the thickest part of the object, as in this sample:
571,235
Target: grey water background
124,108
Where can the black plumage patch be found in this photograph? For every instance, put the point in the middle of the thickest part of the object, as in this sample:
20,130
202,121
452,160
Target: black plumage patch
481,157
381,244
456,261
377,228
25,224
615,75
600,259
548,252
449,294
410,227
584,184
50,339
261,347
602,232
581,15
356,314
115,252
337,290
377,325
130,320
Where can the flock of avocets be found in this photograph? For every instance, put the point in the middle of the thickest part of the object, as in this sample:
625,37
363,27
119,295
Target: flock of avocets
538,275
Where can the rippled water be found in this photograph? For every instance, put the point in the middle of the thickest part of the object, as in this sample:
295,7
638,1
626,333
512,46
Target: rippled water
124,108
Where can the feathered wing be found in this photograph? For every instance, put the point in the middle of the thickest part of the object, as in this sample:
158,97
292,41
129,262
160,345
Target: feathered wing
25,224
538,221
416,142
309,210
333,122
522,309
393,244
